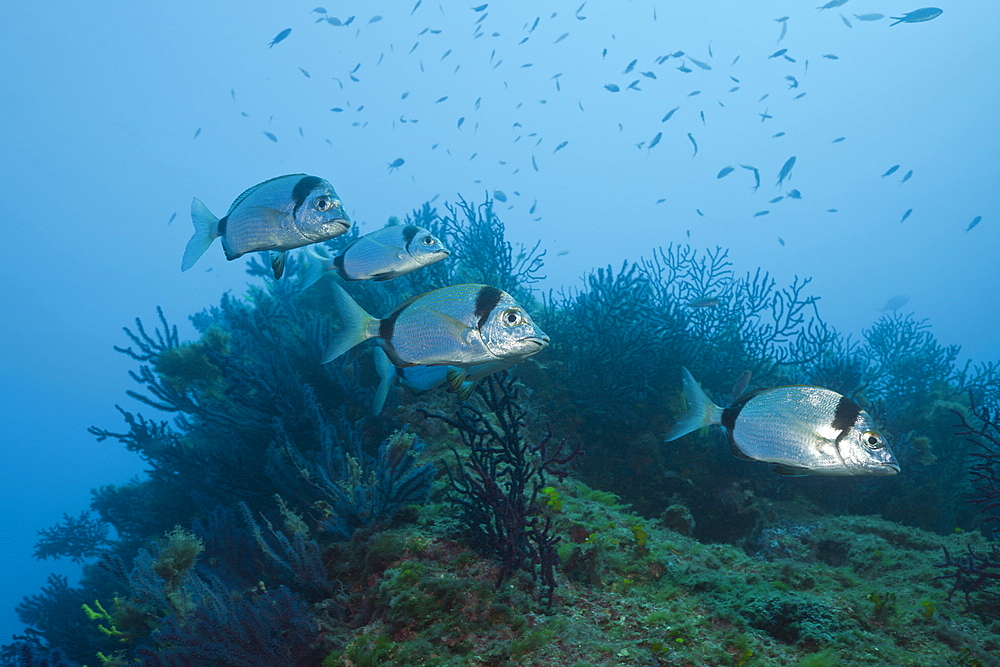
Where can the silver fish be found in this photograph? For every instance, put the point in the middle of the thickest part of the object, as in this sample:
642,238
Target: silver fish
800,430
280,214
460,325
384,254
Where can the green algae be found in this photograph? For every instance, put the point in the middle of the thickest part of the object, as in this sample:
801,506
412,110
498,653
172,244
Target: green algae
853,591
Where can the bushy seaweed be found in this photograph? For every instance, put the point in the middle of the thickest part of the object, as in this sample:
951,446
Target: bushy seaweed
496,484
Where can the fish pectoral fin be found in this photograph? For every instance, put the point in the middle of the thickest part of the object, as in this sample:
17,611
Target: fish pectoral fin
790,471
800,425
459,329
271,216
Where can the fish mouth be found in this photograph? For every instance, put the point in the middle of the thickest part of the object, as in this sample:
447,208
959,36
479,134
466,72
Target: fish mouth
536,341
888,469
340,222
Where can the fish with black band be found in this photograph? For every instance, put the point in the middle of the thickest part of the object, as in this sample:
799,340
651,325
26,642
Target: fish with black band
460,325
384,254
277,215
798,429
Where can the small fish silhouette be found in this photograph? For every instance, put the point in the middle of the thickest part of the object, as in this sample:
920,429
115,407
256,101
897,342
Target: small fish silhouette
280,36
756,175
918,15
786,170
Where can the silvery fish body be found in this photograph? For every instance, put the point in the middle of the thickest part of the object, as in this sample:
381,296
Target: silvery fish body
384,254
801,430
460,325
279,214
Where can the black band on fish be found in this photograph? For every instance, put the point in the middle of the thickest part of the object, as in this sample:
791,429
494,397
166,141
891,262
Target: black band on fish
729,416
387,326
845,416
486,301
338,265
222,225
302,189
409,232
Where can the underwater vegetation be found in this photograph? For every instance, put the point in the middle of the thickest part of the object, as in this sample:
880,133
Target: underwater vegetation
544,520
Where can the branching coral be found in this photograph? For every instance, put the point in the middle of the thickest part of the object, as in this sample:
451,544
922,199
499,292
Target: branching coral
977,575
497,485
77,538
483,255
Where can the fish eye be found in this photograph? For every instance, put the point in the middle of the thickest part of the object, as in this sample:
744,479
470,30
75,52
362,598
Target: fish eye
323,204
429,240
512,317
872,440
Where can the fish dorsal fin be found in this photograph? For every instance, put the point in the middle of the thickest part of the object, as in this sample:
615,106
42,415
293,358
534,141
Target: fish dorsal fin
409,302
246,193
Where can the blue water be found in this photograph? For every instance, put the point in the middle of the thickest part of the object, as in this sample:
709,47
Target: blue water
114,118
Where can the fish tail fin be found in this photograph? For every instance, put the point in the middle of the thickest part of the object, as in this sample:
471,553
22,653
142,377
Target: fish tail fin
206,230
356,326
701,410
386,374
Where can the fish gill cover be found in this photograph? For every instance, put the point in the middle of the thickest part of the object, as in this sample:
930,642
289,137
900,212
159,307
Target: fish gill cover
543,521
